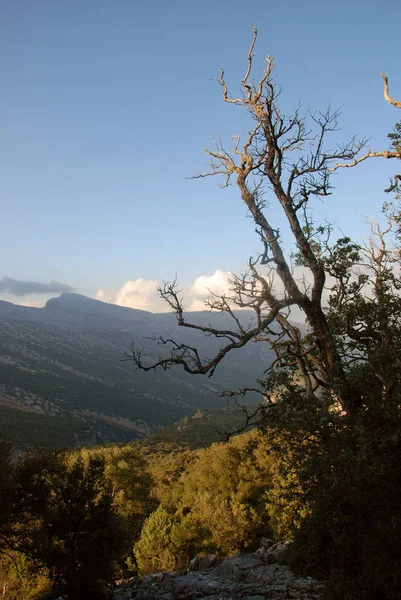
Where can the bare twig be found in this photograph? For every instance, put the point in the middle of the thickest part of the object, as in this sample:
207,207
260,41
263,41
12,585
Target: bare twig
387,96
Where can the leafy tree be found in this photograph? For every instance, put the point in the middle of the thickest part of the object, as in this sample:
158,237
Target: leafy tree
20,579
224,489
71,525
168,464
332,396
217,504
7,508
153,551
127,473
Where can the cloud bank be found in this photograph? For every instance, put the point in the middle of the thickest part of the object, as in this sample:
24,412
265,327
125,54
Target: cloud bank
139,293
18,287
142,293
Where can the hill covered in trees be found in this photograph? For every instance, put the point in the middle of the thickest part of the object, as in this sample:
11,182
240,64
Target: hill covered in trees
64,380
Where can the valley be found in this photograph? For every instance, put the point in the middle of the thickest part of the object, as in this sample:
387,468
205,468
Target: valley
63,370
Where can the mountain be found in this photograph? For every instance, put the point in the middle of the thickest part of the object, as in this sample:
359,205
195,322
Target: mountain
64,380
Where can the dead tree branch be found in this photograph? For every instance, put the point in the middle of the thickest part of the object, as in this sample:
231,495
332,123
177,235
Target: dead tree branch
387,96
376,154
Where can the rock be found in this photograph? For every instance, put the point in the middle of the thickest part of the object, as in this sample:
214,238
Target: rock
278,553
235,568
266,542
128,583
243,576
122,594
194,564
144,595
201,563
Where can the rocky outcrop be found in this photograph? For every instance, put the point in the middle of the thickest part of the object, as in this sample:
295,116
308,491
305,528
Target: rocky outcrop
256,576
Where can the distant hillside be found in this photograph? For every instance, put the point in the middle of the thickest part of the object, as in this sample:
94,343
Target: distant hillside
62,371
200,429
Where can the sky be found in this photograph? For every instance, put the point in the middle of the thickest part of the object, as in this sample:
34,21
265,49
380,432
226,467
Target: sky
105,111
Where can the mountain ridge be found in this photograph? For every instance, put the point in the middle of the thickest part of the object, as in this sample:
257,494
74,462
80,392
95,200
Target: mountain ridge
66,361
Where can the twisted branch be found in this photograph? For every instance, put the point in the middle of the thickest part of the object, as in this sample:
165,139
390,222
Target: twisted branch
387,96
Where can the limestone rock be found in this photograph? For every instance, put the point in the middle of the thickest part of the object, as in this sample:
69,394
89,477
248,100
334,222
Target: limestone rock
253,576
201,563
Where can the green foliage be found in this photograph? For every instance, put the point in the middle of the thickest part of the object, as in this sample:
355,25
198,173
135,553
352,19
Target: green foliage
73,517
30,430
20,579
167,464
126,471
352,533
132,485
72,529
340,470
216,501
336,473
395,138
6,486
199,430
153,551
224,488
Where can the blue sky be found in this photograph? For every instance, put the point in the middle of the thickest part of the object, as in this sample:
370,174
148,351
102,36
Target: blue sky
106,107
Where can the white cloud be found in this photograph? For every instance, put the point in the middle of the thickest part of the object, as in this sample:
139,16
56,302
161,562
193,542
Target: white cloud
204,286
139,293
104,296
196,305
218,283
142,293
215,284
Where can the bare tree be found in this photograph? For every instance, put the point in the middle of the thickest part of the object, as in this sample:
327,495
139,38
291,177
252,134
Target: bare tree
285,160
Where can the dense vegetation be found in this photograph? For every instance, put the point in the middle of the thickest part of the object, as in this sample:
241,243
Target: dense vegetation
71,522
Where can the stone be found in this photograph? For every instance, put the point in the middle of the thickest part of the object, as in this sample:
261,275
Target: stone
278,553
266,543
243,576
207,562
144,595
123,594
194,564
235,567
128,583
